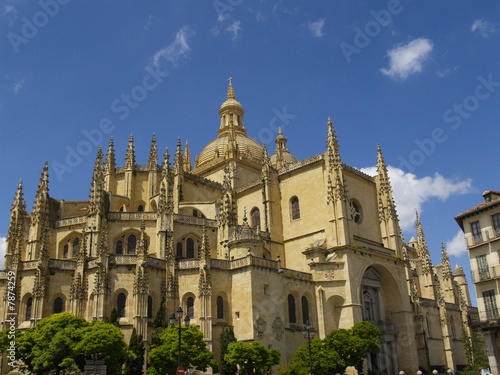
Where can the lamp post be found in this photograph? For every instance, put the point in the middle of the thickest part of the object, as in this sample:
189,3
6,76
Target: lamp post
308,333
178,317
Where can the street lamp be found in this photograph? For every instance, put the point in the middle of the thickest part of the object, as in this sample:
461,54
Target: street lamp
173,318
434,372
308,333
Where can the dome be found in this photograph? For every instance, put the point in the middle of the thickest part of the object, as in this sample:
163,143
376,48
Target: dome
219,148
287,158
232,141
282,157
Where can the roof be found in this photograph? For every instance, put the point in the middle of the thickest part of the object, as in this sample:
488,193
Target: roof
493,199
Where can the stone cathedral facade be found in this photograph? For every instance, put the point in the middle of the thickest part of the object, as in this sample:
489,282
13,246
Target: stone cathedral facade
245,239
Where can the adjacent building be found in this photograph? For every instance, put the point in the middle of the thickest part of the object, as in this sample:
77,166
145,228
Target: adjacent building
481,225
264,243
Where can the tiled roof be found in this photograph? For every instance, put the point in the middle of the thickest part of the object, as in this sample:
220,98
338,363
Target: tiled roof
479,207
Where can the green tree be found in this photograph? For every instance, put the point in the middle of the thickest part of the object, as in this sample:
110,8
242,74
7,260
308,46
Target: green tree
475,351
324,360
135,362
226,338
113,318
106,341
194,352
160,323
340,349
50,345
252,357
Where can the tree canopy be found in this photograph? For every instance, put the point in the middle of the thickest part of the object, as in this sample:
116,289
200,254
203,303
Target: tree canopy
340,349
226,338
63,340
252,357
194,352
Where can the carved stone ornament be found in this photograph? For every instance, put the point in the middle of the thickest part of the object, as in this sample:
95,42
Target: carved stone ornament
260,327
278,328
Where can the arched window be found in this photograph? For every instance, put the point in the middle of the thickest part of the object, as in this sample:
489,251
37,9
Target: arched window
368,305
66,251
58,305
305,310
179,249
255,218
121,304
76,247
190,307
121,208
119,247
294,208
292,316
190,248
29,304
131,244
150,307
355,211
140,208
220,307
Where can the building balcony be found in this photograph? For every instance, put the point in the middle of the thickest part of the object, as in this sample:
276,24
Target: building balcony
487,319
488,234
490,273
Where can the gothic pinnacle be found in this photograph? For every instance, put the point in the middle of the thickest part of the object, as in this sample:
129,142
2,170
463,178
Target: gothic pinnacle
230,89
130,158
153,154
110,157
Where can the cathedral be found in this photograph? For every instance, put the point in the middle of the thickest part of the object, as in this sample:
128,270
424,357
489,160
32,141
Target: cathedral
263,243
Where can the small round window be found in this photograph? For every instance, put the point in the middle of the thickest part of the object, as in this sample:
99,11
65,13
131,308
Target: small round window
355,212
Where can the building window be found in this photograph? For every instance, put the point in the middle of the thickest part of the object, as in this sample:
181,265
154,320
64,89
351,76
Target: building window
220,307
190,307
355,211
127,244
452,328
490,304
429,326
140,208
29,305
195,212
255,218
295,208
131,244
66,251
305,310
190,248
292,316
368,307
150,307
76,247
476,232
58,305
119,247
179,249
121,304
482,267
496,224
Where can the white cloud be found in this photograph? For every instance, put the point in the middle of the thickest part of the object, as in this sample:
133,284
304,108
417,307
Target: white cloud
9,9
234,29
18,85
406,59
483,28
175,50
411,192
3,248
456,246
316,28
446,72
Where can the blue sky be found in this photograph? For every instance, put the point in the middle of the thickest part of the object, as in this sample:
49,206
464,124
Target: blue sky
419,78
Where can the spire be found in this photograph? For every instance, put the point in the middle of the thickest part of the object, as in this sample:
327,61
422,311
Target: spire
333,146
178,160
130,158
110,158
422,250
153,155
19,204
204,254
187,158
166,163
230,89
15,233
447,273
96,201
41,207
